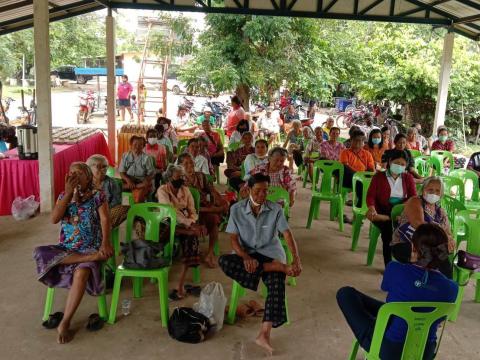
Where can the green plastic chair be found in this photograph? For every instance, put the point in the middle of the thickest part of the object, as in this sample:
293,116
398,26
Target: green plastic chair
451,207
182,144
454,187
469,222
419,324
239,291
473,201
279,194
329,190
342,140
437,159
360,211
111,172
415,153
153,214
397,210
422,165
234,146
101,301
221,132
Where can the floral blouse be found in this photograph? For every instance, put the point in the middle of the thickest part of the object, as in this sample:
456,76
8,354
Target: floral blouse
331,151
282,178
81,230
237,157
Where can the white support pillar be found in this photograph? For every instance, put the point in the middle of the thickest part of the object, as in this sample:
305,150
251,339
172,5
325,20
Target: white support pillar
111,112
445,69
44,105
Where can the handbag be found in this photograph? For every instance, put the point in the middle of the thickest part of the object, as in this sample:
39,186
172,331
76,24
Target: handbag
187,325
468,261
142,254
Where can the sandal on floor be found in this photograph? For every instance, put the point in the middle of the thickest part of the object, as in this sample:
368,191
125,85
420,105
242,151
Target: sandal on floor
95,322
53,320
256,307
174,296
243,311
193,290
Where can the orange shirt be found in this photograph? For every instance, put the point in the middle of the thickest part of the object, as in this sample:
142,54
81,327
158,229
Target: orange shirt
359,161
376,153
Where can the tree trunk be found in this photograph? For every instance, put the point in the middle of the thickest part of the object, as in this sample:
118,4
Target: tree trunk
243,91
421,112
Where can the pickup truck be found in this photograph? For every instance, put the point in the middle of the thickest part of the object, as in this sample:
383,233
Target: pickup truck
81,75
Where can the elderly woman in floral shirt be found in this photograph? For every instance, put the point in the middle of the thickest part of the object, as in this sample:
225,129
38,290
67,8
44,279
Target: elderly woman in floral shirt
280,175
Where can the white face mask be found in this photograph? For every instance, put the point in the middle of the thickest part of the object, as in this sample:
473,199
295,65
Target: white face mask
431,198
253,201
152,141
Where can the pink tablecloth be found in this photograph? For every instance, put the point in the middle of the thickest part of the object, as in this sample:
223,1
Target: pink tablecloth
20,177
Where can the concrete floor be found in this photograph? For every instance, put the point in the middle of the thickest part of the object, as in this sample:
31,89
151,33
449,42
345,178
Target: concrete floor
317,331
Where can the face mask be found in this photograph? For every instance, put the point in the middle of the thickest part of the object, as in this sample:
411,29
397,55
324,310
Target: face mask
397,169
431,198
376,141
177,184
253,201
443,138
152,141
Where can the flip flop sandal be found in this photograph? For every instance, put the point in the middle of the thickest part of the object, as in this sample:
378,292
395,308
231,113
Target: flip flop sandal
256,307
243,311
193,290
174,296
53,320
95,322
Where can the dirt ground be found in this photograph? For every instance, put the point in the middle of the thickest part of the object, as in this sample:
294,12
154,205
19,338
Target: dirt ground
317,329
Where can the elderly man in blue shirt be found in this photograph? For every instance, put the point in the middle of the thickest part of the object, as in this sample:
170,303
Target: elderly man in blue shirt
254,226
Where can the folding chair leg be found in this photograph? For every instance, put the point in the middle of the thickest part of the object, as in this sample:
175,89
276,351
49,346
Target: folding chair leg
234,298
339,207
196,275
102,307
353,353
477,291
163,297
372,245
357,226
137,287
458,303
311,212
115,296
216,249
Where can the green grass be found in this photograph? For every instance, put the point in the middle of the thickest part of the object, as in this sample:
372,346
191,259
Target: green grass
14,91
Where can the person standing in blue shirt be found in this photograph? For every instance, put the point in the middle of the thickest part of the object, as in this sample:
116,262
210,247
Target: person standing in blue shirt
419,281
254,225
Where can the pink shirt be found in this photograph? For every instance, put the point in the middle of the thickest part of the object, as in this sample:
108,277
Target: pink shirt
233,118
124,90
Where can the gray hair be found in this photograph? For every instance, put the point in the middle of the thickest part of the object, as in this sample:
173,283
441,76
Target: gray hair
412,130
431,179
278,151
97,158
296,122
172,169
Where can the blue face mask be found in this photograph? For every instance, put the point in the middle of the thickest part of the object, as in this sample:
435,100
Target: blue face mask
376,141
397,169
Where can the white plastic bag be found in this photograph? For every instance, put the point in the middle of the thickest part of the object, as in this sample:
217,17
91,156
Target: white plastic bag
23,209
212,304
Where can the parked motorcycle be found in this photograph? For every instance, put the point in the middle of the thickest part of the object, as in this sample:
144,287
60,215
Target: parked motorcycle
86,107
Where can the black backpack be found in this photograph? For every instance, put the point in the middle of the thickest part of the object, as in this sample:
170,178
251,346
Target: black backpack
187,325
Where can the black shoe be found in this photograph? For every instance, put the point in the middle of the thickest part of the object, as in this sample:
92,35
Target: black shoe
347,220
349,203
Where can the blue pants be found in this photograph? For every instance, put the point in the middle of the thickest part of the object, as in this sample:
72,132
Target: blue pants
361,312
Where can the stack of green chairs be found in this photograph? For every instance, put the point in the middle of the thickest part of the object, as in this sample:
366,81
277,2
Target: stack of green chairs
437,159
423,165
278,194
469,221
473,202
454,187
418,325
374,234
360,209
329,190
153,214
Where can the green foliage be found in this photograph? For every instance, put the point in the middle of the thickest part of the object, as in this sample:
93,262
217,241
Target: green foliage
175,40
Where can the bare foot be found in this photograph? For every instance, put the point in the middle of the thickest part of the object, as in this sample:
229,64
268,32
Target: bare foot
211,261
264,343
65,335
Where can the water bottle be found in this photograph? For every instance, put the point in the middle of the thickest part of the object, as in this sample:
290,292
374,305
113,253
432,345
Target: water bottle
126,307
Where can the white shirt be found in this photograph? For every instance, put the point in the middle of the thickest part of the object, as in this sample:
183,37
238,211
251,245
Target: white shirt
396,186
201,164
250,162
269,123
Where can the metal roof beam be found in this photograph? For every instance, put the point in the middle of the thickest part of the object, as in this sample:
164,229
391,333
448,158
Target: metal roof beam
370,7
470,3
104,3
330,5
467,19
292,4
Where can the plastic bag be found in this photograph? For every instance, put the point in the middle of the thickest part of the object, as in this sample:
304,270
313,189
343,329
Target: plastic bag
212,304
23,209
